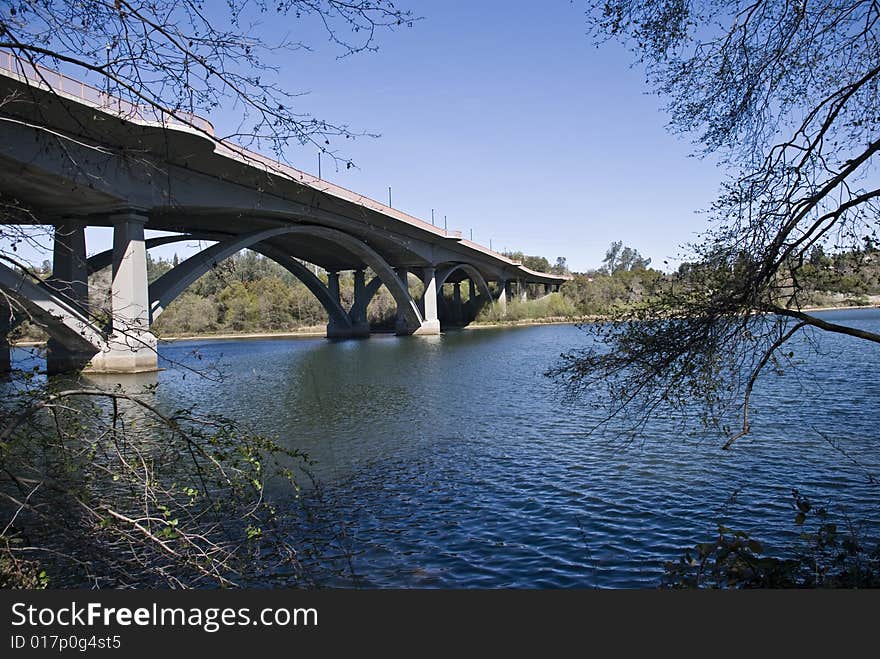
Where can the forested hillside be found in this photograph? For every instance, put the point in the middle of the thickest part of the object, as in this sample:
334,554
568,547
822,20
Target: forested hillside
252,294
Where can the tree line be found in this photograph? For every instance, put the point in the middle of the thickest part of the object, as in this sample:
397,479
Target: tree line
249,293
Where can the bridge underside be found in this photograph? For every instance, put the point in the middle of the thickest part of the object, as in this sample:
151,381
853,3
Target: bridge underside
118,338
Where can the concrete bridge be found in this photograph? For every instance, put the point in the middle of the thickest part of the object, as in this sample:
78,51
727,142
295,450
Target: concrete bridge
81,158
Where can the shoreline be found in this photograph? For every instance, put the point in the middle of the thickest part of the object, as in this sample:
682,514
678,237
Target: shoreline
305,333
318,332
530,322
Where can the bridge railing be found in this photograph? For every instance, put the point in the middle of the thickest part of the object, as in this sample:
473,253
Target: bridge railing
324,185
40,76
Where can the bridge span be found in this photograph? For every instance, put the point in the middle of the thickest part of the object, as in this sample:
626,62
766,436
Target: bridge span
76,157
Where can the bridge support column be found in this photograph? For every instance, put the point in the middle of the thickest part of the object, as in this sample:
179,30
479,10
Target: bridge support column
401,325
336,328
360,327
5,327
456,303
131,345
548,289
70,279
333,284
523,289
431,323
503,297
404,326
70,275
472,307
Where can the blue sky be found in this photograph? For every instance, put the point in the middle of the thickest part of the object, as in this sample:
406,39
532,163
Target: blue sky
508,120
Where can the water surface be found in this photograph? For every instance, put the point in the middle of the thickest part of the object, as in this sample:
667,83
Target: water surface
452,461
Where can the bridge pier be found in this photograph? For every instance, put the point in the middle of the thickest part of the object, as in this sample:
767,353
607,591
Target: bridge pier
5,328
335,330
360,327
60,358
503,296
431,322
357,325
427,324
456,303
70,281
70,275
401,325
131,347
333,284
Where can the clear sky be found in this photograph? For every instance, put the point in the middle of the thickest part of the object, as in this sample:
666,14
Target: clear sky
504,117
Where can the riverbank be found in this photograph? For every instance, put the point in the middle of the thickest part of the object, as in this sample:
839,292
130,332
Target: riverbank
585,320
532,322
314,331
319,331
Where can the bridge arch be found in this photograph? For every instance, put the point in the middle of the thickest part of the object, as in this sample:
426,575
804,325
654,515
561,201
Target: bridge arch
359,308
334,309
173,283
63,321
472,273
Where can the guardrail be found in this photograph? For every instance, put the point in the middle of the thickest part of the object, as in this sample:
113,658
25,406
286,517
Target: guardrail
46,78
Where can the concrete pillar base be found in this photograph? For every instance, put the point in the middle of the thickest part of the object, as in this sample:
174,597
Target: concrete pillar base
5,357
127,354
403,328
501,302
5,327
356,331
361,330
428,328
60,359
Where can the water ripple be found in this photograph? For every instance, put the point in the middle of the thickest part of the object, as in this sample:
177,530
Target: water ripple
458,465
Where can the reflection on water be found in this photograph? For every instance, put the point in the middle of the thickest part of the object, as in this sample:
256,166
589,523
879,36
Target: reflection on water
452,461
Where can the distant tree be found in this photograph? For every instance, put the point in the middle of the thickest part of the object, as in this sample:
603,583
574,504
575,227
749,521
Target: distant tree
561,266
537,263
630,259
611,262
818,258
620,258
156,268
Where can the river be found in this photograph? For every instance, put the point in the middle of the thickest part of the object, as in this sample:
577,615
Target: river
452,461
